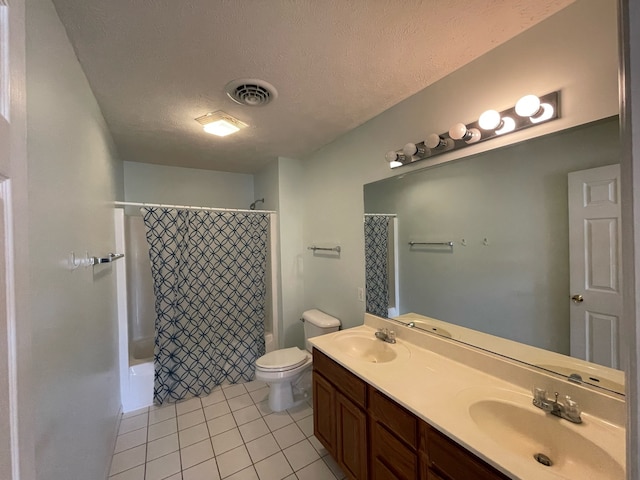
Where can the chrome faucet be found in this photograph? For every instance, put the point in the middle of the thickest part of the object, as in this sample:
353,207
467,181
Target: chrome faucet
386,335
569,410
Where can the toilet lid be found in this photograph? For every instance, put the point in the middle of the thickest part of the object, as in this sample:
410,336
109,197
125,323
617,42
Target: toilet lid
283,358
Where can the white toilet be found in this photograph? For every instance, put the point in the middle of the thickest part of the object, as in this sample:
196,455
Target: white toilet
282,369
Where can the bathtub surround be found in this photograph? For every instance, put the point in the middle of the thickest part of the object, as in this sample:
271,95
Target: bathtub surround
208,272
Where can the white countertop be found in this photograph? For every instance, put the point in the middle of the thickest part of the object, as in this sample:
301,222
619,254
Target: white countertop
437,389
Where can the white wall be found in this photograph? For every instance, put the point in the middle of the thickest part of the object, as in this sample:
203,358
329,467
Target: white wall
74,178
144,182
574,51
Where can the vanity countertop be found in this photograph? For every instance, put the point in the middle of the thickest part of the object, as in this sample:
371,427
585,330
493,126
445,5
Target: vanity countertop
439,390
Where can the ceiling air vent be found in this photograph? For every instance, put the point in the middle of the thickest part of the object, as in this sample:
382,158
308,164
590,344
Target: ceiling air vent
251,92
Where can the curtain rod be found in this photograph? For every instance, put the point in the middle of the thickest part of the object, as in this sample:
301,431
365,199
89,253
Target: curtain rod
189,207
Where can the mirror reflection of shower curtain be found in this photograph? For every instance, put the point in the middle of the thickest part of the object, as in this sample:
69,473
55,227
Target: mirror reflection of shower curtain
209,272
376,250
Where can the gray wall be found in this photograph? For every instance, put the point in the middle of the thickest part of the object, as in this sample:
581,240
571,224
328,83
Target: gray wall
144,182
517,286
574,51
74,178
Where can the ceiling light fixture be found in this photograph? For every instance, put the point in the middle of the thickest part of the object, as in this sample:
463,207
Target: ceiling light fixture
529,111
220,123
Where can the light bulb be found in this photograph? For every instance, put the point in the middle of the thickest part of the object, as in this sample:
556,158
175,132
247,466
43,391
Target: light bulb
411,149
489,120
528,106
547,113
391,156
459,131
435,141
508,124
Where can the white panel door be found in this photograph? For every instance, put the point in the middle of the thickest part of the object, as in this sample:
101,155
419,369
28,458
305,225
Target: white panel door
595,264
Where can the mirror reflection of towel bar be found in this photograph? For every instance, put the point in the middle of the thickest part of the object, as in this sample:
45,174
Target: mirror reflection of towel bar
329,249
448,244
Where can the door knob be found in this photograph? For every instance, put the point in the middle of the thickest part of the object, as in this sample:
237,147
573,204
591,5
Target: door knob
577,299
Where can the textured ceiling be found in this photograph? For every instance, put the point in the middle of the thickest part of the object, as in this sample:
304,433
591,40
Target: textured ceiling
156,65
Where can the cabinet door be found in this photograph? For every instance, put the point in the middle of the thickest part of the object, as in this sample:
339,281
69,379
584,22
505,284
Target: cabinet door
351,425
391,455
324,420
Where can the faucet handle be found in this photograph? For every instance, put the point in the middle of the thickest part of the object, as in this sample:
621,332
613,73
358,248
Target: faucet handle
539,394
571,406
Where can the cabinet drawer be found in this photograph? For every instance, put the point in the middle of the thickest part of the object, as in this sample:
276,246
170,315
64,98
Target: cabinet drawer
401,422
345,381
391,455
452,461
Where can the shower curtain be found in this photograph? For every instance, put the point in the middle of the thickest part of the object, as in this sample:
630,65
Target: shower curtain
208,272
376,251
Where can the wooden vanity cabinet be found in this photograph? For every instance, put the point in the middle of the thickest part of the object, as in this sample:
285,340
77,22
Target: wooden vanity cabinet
373,437
340,419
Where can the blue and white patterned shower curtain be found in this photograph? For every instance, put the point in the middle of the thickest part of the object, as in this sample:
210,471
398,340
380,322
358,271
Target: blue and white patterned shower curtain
376,251
208,272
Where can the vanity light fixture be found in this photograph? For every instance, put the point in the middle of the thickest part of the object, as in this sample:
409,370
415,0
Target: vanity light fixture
529,111
395,159
220,123
459,131
411,150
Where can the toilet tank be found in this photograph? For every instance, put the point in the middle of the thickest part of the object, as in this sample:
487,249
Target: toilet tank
318,323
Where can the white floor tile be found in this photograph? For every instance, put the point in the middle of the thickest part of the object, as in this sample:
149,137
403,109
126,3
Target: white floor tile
274,467
300,411
226,441
301,454
221,424
263,407
135,413
262,447
318,470
252,430
254,385
190,419
288,435
130,440
246,415
162,429
192,435
216,410
216,396
128,459
293,476
133,423
231,391
161,414
318,446
177,476
163,467
278,420
136,473
162,446
187,406
203,471
241,401
306,425
259,395
196,453
233,461
246,474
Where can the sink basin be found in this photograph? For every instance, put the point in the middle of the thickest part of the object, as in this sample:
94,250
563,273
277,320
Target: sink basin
369,349
526,431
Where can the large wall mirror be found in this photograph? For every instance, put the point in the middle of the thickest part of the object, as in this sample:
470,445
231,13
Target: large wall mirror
484,243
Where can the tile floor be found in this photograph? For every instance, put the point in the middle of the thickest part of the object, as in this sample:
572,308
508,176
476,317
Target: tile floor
231,434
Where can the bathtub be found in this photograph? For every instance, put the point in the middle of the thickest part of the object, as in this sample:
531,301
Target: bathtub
140,386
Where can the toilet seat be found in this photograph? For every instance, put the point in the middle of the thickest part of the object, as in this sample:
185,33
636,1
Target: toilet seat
282,360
